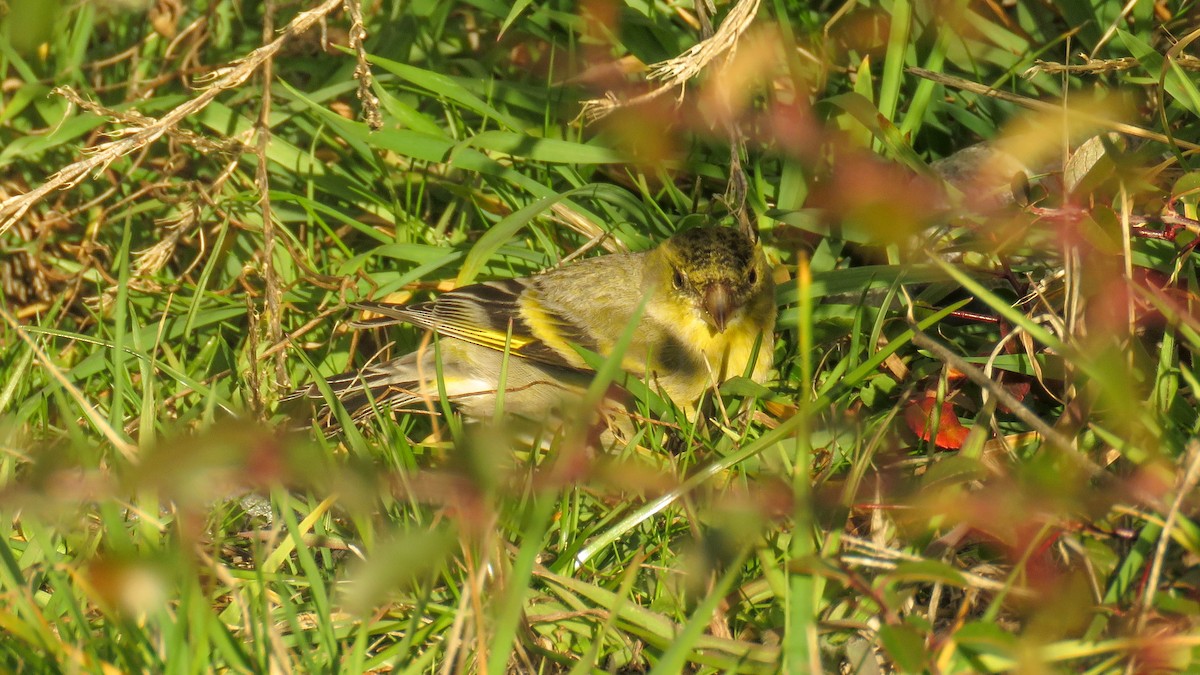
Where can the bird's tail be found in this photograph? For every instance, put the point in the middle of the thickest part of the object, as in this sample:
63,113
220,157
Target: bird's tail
406,383
469,377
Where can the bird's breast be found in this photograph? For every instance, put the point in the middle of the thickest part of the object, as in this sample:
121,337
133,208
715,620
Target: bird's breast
692,355
730,353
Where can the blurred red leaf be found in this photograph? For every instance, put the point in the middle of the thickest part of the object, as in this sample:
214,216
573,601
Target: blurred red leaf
1110,305
1019,390
951,434
886,200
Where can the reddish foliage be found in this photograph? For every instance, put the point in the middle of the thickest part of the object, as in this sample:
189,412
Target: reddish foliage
1110,305
887,200
951,434
1019,390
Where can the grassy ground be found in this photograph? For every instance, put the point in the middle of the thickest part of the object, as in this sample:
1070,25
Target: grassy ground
979,453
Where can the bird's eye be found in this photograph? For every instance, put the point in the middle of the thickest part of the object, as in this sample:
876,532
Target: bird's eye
752,277
678,279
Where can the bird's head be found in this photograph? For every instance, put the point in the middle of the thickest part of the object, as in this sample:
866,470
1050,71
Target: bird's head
717,270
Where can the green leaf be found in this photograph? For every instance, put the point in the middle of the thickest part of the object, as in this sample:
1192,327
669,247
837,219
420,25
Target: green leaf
541,149
445,87
517,7
905,645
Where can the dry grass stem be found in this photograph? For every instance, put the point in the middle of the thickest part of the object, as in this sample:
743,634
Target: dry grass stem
675,73
1034,104
877,557
1184,489
220,80
1098,66
362,70
262,181
134,120
1116,23
128,450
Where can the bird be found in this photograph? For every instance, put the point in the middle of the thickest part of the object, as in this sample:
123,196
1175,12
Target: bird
703,301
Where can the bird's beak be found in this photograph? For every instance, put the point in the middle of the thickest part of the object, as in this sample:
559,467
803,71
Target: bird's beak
718,302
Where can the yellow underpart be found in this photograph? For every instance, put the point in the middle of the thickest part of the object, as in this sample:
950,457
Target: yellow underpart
728,353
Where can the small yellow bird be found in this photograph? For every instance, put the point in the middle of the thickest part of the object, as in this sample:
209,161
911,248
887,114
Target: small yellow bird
709,305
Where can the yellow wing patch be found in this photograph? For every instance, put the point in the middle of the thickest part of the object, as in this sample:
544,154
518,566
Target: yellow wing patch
548,328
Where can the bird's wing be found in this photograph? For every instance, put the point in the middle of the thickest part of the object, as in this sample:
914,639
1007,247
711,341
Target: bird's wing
495,314
466,374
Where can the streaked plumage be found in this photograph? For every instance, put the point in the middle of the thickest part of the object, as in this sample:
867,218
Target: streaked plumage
708,300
